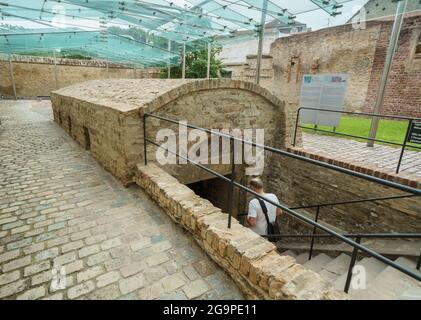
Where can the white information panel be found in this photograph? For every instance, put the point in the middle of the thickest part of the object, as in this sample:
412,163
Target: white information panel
323,91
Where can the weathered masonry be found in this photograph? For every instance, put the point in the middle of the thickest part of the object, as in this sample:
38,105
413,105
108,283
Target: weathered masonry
38,76
344,49
106,116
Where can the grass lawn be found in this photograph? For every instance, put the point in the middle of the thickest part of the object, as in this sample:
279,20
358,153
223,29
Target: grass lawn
389,130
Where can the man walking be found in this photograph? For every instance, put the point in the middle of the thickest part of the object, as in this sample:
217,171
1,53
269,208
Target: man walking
256,218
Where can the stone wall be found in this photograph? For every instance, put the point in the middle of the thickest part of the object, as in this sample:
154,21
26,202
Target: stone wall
301,184
343,49
252,262
247,71
361,54
35,76
111,136
335,50
110,113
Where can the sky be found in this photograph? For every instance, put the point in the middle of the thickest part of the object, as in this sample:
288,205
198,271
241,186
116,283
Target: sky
314,19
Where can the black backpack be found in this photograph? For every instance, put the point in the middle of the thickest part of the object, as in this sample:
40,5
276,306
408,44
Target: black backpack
273,227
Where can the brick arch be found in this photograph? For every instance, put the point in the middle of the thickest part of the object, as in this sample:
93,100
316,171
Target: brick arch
219,104
212,84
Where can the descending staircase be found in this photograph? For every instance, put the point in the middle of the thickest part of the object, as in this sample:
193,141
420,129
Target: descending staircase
382,282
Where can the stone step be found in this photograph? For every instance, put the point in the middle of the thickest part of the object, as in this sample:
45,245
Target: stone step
372,268
392,284
302,258
390,248
411,294
336,268
289,253
317,263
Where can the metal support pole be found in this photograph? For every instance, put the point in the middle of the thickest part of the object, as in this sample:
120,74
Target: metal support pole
55,69
209,60
404,146
314,232
296,127
169,61
351,266
419,262
232,183
12,77
397,26
145,149
261,36
183,73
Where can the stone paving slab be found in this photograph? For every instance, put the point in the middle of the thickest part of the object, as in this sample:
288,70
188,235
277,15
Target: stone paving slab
355,152
69,230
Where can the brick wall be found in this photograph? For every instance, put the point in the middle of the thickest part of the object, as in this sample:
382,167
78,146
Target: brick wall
301,184
361,54
403,92
335,50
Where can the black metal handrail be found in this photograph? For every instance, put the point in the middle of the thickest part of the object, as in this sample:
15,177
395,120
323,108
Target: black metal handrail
358,237
331,204
291,155
314,235
355,244
404,145
352,235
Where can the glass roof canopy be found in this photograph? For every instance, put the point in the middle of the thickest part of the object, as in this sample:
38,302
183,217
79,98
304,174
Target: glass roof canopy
85,26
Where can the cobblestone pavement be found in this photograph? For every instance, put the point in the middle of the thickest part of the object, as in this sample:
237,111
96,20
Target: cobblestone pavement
58,207
356,152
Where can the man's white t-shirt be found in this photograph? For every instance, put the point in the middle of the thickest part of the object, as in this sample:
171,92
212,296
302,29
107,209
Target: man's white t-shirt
255,211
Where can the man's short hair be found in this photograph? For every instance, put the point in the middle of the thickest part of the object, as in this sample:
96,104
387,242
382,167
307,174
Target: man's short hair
256,183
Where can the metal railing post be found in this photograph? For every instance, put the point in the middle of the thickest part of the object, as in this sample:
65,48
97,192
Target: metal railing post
296,127
232,184
55,70
183,66
209,61
345,238
314,232
419,262
145,149
12,77
261,34
388,63
404,146
351,266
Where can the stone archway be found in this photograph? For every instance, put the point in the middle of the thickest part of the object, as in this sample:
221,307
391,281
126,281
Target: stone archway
112,111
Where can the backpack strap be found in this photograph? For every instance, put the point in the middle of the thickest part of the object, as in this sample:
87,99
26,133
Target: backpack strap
264,209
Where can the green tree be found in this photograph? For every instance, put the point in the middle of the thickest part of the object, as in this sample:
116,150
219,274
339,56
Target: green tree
197,65
139,35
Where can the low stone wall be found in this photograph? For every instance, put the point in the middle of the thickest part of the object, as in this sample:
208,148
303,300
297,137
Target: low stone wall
406,179
36,76
301,184
249,259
